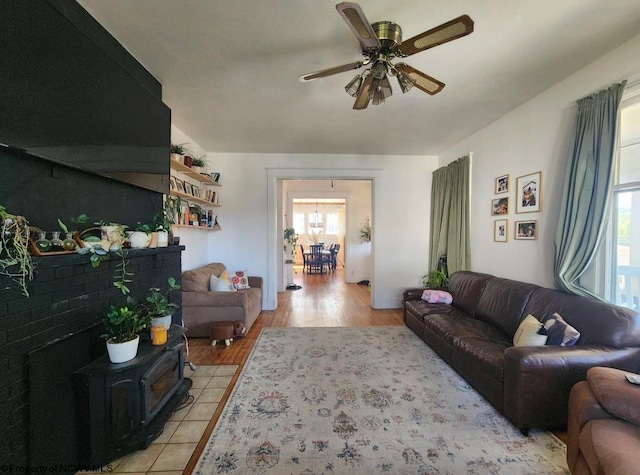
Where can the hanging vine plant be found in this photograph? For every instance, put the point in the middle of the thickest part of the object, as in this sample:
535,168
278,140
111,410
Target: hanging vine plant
15,260
291,238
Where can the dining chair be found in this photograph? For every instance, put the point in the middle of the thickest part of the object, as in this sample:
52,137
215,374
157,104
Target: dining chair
334,256
315,260
304,258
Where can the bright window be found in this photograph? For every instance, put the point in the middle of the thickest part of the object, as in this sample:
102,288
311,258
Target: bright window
298,223
333,223
626,209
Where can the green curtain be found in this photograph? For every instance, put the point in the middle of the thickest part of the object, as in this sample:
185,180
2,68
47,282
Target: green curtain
587,188
450,216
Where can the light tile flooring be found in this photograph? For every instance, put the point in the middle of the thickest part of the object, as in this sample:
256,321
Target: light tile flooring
170,452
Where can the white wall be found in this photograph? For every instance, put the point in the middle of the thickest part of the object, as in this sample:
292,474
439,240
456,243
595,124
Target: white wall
536,136
247,242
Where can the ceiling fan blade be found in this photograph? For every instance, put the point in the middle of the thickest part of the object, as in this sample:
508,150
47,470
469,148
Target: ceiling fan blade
353,15
362,98
451,30
331,71
422,81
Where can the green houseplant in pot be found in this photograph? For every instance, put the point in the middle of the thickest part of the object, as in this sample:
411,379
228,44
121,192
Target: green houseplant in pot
157,306
436,279
123,325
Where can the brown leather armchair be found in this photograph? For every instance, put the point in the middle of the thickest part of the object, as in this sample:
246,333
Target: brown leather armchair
603,434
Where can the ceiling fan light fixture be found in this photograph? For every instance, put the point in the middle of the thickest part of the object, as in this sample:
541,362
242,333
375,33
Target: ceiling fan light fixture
378,97
406,81
354,85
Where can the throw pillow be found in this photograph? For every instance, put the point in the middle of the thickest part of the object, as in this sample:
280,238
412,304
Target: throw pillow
437,296
217,284
528,334
240,280
560,332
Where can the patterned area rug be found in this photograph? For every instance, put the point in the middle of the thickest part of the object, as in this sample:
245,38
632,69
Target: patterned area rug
364,401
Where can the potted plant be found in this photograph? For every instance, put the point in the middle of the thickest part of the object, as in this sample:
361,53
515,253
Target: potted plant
15,260
436,279
199,164
157,306
72,237
195,212
290,241
123,325
176,151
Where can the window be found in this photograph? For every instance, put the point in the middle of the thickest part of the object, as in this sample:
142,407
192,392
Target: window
626,209
333,223
298,223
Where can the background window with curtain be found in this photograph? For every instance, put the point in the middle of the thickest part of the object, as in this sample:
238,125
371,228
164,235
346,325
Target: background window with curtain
626,208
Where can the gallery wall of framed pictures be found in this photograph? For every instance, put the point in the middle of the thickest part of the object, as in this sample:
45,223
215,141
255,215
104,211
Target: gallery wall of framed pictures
528,199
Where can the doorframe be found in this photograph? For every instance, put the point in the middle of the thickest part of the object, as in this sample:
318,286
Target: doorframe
275,226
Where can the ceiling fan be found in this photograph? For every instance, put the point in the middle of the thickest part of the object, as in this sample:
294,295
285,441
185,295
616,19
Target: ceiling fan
382,42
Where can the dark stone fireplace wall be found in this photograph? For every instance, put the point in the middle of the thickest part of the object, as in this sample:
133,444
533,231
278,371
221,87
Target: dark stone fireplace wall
67,295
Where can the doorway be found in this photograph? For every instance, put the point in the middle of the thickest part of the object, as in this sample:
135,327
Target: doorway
314,183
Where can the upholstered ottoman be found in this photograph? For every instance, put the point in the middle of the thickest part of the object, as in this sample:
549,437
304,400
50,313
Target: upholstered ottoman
219,331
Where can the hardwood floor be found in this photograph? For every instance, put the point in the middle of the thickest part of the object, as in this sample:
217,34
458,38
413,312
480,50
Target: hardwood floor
323,301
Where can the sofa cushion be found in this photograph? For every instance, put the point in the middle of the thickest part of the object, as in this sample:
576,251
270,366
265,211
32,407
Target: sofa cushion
239,279
486,354
197,280
560,332
421,309
528,334
610,446
220,284
450,327
615,394
503,302
466,288
437,296
599,323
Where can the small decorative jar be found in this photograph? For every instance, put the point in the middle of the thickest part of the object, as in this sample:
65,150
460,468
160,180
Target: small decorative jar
69,244
56,242
43,244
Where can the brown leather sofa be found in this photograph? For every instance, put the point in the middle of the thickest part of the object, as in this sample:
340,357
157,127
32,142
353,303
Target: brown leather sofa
603,434
528,385
200,306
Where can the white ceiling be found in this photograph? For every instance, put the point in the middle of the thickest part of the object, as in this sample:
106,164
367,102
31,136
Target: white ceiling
229,68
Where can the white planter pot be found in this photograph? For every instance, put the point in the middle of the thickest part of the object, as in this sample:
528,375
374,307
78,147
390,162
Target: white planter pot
176,157
139,239
163,238
123,352
164,321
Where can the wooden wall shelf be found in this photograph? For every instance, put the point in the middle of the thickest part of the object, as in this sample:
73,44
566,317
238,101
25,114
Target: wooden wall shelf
179,167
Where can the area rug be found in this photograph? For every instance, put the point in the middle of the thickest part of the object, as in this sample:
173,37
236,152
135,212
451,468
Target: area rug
364,401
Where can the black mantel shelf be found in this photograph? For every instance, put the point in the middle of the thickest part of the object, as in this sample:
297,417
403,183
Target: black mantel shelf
47,262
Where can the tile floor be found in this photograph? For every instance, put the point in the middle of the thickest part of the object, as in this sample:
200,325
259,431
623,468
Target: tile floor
170,452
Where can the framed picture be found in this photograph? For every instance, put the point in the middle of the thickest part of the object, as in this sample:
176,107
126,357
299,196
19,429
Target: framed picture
502,184
526,230
180,185
529,193
500,230
196,191
499,206
187,188
172,183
